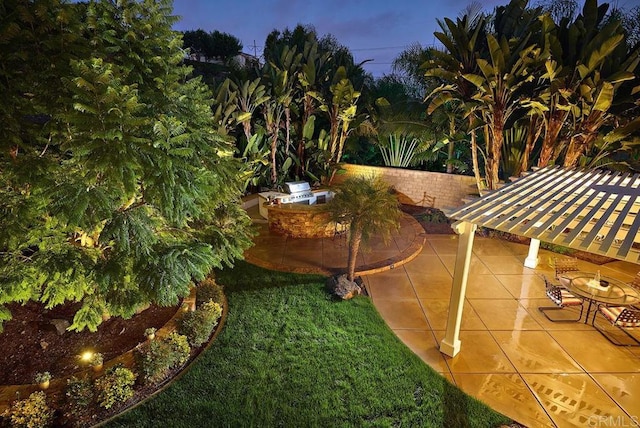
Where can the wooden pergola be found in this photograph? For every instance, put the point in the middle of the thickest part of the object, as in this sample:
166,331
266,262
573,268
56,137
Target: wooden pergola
589,210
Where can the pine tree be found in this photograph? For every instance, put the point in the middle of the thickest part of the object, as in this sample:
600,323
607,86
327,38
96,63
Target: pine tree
115,189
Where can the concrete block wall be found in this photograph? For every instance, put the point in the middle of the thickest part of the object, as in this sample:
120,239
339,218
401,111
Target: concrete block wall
422,188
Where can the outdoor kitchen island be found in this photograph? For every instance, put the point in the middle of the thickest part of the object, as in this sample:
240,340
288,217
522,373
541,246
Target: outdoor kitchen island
298,213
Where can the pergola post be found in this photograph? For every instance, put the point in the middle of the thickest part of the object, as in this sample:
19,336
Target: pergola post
450,345
532,258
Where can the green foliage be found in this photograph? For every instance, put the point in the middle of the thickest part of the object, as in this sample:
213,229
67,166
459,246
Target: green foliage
209,289
556,248
434,215
399,151
115,386
79,395
367,206
42,377
212,45
157,357
32,412
115,187
198,325
548,85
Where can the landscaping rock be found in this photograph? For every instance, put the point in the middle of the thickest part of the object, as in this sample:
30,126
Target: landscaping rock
343,288
60,325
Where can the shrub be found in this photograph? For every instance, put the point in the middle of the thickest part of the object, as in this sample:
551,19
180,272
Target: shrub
157,357
42,377
79,396
199,324
116,386
180,348
434,215
32,412
207,290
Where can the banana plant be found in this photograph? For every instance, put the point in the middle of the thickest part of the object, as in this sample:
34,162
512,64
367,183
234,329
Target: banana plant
256,155
498,88
464,43
250,96
588,60
225,107
342,111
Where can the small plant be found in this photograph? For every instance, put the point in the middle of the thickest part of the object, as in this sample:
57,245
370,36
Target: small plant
96,359
180,348
43,377
79,396
150,333
157,357
434,215
33,412
559,249
116,386
199,324
208,289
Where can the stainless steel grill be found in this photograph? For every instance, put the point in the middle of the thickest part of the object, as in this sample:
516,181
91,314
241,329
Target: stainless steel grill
299,192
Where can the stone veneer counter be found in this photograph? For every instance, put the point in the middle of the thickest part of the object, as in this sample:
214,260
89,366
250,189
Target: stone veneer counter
300,221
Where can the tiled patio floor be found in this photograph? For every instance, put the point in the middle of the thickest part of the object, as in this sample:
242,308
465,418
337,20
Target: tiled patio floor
535,371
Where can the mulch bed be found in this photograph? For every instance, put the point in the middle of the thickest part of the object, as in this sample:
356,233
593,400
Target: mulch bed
30,342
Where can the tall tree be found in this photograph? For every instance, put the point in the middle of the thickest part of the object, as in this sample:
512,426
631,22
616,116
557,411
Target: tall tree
124,194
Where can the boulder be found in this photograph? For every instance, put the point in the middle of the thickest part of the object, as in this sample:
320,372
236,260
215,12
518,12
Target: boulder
343,288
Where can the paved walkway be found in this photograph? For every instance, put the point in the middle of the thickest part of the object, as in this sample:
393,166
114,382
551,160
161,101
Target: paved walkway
535,371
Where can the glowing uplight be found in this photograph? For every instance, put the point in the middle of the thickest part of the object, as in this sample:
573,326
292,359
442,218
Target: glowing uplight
86,356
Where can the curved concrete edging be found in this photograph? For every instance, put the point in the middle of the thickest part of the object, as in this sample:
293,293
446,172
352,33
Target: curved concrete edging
168,382
403,256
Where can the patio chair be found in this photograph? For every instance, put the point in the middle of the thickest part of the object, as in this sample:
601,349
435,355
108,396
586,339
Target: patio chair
625,318
562,298
565,264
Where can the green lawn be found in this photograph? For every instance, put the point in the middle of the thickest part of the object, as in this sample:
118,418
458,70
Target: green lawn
291,356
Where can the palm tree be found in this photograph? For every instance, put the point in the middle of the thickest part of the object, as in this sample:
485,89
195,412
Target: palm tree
367,205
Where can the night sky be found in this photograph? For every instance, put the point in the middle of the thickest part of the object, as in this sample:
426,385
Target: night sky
371,29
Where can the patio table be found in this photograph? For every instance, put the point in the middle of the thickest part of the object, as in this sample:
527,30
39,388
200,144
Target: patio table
611,291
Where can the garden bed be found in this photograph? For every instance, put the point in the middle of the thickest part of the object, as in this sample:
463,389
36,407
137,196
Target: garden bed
136,366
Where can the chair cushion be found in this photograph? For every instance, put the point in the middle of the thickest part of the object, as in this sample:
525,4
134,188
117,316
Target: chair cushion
621,316
562,297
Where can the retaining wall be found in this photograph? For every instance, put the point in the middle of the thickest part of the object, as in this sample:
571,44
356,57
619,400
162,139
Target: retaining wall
422,188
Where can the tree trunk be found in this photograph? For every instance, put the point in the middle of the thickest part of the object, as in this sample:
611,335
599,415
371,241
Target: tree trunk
354,245
451,146
583,139
554,126
287,127
450,158
301,168
247,129
274,170
494,148
533,133
474,161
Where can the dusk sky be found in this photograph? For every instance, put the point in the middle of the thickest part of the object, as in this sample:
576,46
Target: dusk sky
371,29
